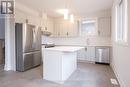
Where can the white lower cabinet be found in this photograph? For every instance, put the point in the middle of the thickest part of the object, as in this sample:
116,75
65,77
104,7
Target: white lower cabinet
87,54
81,54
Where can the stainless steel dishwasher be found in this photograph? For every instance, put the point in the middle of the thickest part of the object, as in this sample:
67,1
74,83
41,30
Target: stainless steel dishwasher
103,55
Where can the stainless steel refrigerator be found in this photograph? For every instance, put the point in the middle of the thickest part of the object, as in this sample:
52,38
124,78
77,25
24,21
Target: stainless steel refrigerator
28,46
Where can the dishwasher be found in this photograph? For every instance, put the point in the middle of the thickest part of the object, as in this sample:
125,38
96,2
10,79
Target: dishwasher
103,55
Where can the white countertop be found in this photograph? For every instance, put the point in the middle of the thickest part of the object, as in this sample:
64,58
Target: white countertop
64,48
87,45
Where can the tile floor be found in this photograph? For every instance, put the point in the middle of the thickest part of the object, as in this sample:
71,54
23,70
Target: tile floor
87,75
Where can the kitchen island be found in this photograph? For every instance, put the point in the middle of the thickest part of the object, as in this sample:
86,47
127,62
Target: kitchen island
59,62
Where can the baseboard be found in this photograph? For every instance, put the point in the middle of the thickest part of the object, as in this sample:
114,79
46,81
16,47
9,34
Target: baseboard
117,76
85,61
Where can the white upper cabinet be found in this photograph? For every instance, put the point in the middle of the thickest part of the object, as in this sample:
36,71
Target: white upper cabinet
64,28
57,29
47,25
50,25
104,26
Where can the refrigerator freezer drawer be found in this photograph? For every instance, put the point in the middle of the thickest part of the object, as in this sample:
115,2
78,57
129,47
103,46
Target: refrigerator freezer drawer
29,60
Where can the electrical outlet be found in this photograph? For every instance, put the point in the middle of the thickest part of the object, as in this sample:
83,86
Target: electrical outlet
114,81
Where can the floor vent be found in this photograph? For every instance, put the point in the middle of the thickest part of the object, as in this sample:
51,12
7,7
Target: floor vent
114,81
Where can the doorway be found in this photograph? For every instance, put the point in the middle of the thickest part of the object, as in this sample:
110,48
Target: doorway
2,43
2,54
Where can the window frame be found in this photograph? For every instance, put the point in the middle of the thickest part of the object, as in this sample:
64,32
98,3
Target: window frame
96,27
121,23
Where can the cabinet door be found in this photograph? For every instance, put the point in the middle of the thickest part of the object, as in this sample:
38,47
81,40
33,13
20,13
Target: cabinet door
50,26
90,54
64,29
56,33
104,26
70,29
57,29
73,29
44,24
87,54
47,25
81,54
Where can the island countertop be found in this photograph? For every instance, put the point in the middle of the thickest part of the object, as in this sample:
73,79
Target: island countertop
65,48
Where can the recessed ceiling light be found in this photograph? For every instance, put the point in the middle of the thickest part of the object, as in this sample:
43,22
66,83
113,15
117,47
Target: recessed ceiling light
72,18
63,11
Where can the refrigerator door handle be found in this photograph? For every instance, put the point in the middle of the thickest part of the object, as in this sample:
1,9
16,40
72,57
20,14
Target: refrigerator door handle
32,52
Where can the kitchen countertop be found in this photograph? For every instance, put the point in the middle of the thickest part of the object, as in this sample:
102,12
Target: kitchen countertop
84,45
64,48
87,45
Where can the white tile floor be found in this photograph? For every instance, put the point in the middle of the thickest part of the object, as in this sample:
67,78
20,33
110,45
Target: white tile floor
87,75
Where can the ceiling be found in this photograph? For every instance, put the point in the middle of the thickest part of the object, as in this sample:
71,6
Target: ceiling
78,7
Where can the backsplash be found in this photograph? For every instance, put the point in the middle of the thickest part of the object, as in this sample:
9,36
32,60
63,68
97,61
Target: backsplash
46,40
85,41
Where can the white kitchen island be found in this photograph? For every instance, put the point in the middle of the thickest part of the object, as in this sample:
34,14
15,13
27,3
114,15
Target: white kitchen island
59,62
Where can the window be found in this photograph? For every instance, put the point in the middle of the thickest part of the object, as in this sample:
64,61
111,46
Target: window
88,27
121,29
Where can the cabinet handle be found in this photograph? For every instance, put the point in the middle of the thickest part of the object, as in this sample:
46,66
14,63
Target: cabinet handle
67,34
98,32
26,21
45,28
86,49
58,34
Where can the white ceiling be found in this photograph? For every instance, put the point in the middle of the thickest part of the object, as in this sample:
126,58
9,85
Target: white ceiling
78,7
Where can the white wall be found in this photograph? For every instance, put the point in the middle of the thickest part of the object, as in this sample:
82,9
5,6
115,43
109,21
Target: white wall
121,54
9,43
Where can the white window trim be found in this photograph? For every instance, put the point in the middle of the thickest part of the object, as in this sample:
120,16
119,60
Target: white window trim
96,30
125,41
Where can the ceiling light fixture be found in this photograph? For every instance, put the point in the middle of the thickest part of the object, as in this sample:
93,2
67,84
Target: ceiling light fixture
72,18
66,14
